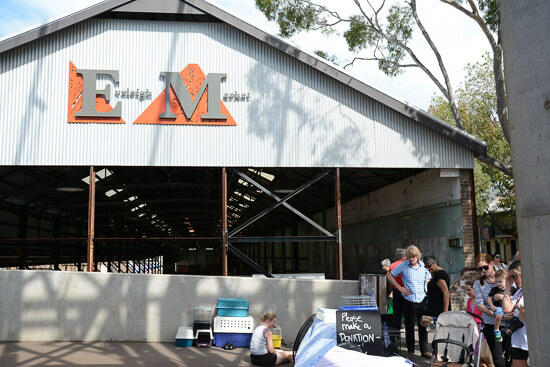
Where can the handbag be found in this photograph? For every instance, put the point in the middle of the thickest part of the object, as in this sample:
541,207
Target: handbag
425,307
512,325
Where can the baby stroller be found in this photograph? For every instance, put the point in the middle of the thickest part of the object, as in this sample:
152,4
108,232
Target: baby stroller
456,336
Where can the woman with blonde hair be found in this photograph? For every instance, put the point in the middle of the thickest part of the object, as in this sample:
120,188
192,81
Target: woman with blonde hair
414,276
262,352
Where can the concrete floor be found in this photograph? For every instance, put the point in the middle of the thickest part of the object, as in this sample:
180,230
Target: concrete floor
112,354
116,354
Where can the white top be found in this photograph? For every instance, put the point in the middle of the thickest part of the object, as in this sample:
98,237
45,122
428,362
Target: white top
258,343
519,338
337,357
502,266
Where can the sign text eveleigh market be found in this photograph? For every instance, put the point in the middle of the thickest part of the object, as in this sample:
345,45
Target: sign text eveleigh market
188,98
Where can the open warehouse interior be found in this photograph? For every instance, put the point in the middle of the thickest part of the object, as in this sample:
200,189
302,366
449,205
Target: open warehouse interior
170,220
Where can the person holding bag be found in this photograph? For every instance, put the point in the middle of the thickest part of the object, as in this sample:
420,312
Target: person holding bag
414,276
482,288
439,298
516,325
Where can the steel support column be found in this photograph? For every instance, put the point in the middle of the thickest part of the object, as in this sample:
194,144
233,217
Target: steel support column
224,222
338,204
91,221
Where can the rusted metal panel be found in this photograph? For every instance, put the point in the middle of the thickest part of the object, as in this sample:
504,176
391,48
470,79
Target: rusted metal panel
91,221
296,116
338,204
224,222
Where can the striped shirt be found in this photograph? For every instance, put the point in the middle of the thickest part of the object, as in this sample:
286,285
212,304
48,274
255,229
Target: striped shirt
414,279
482,296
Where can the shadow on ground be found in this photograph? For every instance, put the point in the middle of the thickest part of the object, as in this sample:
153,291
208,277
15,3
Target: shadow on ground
113,354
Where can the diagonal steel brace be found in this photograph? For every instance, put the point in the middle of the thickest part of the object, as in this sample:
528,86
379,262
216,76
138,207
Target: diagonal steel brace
283,202
278,203
248,260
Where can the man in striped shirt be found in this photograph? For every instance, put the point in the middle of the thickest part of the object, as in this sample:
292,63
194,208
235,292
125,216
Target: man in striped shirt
414,276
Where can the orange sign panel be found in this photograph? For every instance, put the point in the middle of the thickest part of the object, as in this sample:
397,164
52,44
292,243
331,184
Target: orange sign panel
193,77
76,86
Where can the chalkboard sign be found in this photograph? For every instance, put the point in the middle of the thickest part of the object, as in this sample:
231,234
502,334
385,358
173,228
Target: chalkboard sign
362,328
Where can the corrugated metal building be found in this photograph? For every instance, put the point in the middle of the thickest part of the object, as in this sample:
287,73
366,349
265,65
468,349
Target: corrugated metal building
287,119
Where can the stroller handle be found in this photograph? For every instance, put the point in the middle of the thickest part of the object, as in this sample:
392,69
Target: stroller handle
450,341
476,317
468,349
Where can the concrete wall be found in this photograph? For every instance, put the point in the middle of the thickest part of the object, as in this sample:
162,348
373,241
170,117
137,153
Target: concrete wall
49,306
525,30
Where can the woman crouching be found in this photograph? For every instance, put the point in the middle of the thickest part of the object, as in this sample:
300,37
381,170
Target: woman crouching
262,352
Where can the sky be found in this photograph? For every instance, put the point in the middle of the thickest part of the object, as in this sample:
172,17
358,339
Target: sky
458,38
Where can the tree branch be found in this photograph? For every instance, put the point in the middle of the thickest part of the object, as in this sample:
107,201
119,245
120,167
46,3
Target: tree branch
498,66
379,59
493,162
379,31
450,93
474,14
324,9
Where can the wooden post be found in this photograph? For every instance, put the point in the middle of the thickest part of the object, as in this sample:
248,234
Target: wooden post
340,269
91,221
224,221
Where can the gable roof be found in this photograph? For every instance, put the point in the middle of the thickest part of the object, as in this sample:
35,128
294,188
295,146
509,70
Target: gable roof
202,10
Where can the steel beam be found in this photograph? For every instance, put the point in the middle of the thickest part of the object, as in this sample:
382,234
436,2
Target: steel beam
91,221
224,222
260,239
285,204
248,260
338,204
278,203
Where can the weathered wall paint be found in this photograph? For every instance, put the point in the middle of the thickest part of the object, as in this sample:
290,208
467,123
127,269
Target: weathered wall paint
430,228
424,209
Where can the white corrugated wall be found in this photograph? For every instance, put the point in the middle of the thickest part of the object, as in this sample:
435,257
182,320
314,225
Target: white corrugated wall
297,117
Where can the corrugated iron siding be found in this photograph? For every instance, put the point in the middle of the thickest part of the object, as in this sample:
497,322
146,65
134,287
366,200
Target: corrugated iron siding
296,117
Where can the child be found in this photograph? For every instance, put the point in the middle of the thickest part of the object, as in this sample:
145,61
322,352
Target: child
495,301
471,307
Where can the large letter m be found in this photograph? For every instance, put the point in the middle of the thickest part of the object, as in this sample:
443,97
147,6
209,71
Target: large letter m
212,82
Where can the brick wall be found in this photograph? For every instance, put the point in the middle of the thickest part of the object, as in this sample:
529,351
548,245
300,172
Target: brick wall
469,221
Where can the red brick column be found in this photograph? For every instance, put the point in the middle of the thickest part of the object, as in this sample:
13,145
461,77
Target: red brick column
469,218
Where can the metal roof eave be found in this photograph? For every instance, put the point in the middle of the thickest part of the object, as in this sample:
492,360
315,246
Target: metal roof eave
59,24
477,146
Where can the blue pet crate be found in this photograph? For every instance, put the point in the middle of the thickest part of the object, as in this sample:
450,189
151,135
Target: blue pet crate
233,307
358,303
184,337
239,340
